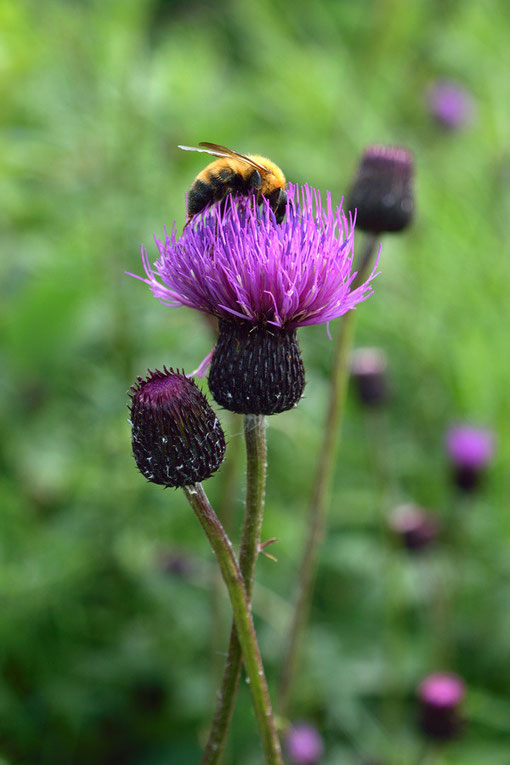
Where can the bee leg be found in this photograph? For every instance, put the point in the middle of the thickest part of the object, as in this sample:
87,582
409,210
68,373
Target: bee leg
255,183
278,202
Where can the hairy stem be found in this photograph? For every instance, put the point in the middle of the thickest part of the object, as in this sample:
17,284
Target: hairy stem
321,486
226,512
255,438
242,619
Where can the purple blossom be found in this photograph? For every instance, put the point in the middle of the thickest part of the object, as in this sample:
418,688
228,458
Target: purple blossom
468,446
303,744
442,689
450,104
470,450
440,696
236,263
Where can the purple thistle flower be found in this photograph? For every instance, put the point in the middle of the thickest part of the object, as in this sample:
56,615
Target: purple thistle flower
440,696
470,450
303,744
450,104
237,263
262,280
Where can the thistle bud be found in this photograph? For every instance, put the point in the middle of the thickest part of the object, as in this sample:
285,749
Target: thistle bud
416,528
176,437
440,697
368,373
382,192
255,370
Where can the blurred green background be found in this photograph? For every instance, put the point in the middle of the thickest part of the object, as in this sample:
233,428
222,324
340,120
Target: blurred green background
107,586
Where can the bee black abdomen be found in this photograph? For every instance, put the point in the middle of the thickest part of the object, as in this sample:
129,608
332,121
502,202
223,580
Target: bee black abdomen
199,196
217,186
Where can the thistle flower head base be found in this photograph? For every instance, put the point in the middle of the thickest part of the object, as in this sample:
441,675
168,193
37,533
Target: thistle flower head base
256,370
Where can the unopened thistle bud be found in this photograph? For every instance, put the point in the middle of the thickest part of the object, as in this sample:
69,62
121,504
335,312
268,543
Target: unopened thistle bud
440,696
368,373
382,193
176,437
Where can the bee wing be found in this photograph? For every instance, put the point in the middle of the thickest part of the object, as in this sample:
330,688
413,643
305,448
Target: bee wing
206,151
225,152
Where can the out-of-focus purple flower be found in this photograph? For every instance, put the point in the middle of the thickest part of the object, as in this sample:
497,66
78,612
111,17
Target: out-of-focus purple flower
262,280
382,192
368,373
450,104
416,527
304,744
470,450
441,695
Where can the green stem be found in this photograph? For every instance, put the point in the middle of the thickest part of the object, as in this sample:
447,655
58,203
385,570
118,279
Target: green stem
226,513
255,438
321,486
242,619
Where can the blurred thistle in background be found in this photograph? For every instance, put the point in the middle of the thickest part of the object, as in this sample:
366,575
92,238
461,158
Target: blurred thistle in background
470,451
303,744
369,374
382,193
416,527
450,104
441,696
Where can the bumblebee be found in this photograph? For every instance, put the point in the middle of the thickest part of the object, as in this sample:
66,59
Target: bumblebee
236,173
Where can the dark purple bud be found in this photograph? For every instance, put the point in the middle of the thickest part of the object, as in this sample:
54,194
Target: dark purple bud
303,744
470,450
368,373
382,192
440,696
416,527
450,104
256,370
176,437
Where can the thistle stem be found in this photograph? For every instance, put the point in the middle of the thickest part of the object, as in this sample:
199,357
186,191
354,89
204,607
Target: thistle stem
255,438
318,504
242,619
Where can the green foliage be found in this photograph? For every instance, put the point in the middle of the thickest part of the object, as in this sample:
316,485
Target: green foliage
105,657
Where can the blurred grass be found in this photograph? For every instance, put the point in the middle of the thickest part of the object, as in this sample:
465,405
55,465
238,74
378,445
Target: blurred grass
104,657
